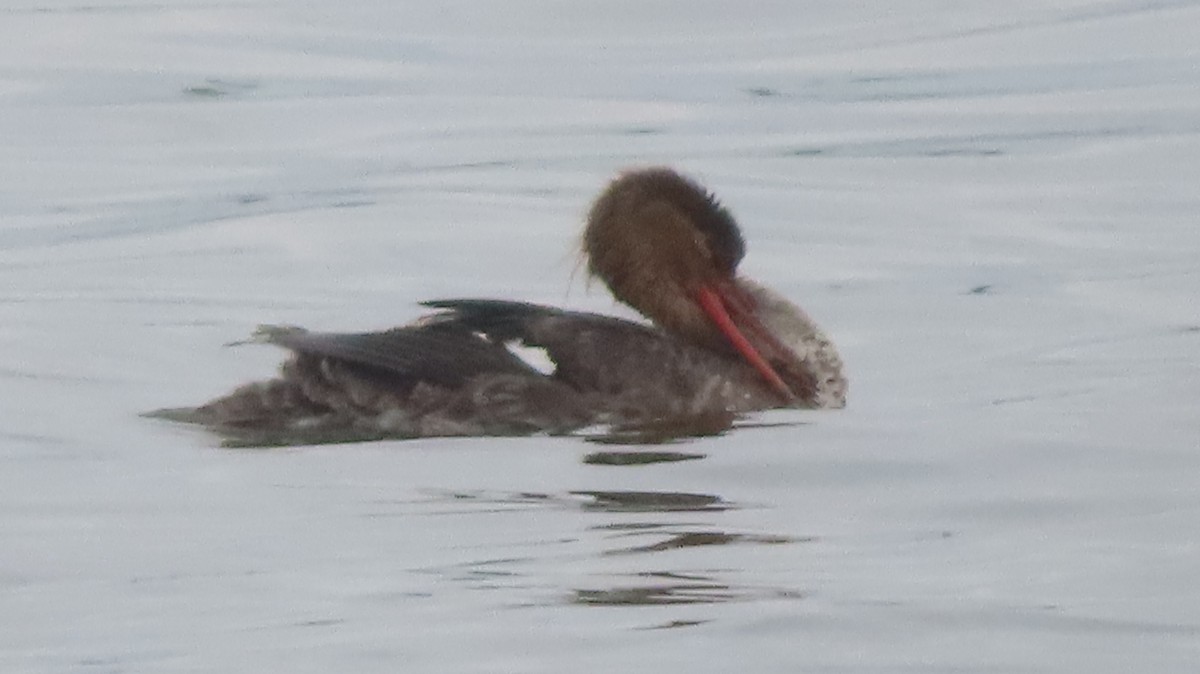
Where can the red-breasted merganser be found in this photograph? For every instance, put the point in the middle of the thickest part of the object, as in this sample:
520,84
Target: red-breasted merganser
721,345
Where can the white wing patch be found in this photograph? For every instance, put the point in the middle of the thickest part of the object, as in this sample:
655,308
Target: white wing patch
533,356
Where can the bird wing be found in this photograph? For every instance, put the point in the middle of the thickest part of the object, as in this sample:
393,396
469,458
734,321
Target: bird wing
590,352
444,354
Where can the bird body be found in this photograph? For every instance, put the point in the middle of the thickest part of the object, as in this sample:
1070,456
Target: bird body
721,346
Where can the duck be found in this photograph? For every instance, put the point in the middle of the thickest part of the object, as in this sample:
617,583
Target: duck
716,346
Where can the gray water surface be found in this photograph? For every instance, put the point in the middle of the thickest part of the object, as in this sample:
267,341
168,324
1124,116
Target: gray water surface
991,207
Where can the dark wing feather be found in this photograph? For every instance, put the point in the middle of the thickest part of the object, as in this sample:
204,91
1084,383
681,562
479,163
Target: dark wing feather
498,320
441,353
503,320
591,352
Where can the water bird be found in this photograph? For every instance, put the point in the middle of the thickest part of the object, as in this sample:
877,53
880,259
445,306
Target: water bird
718,346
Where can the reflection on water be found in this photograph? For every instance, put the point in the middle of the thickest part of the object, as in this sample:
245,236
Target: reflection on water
633,529
485,574
608,501
655,595
637,458
652,501
694,539
665,431
668,587
679,429
672,624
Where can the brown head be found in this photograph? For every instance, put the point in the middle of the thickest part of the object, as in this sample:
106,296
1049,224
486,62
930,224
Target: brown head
655,238
665,247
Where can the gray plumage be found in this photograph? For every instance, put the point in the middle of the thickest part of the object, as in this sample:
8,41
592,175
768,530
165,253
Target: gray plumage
453,374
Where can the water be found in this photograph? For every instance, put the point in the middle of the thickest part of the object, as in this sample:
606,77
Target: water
990,206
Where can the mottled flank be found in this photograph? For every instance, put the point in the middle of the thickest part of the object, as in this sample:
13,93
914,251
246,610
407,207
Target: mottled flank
416,381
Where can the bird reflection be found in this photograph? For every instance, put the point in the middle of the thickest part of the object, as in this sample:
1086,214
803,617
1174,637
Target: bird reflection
637,526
